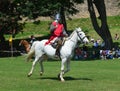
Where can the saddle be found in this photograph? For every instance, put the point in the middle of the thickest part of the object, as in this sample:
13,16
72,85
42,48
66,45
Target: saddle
57,44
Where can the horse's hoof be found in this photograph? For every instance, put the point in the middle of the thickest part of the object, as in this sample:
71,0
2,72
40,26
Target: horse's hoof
59,76
62,80
29,75
41,73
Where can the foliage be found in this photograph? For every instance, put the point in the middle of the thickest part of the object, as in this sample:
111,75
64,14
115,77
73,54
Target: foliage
35,8
12,11
9,18
86,75
9,25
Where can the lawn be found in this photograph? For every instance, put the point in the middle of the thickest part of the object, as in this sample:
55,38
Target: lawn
94,75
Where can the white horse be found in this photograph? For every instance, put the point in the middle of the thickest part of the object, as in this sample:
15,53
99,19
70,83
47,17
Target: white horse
39,49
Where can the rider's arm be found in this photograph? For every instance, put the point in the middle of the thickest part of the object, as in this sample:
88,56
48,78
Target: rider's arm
65,33
53,26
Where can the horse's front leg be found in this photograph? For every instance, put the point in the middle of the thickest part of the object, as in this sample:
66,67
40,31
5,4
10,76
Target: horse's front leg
67,66
62,70
33,65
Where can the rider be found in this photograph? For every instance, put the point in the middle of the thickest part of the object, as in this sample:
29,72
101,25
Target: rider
57,30
32,39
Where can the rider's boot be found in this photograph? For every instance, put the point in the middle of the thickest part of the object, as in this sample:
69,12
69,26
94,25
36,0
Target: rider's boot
58,47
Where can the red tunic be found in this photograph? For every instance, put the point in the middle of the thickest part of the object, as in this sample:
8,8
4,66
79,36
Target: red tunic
57,32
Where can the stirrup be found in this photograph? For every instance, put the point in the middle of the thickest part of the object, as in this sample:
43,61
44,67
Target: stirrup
56,56
54,45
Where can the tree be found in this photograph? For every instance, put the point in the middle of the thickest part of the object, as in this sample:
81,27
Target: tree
102,30
35,8
12,11
9,19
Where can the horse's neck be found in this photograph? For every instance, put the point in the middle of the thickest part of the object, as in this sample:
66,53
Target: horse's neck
26,43
73,39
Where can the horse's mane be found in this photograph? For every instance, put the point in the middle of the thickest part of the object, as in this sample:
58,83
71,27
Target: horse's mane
24,41
71,35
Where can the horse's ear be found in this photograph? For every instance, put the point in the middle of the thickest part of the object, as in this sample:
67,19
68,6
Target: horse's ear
80,29
76,28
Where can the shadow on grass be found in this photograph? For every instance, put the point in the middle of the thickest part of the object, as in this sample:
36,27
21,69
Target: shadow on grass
67,78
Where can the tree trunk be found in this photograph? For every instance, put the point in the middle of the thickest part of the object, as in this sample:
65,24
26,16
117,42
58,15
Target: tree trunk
2,38
62,13
2,42
103,30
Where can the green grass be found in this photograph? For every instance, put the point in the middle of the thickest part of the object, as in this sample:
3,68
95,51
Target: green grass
97,75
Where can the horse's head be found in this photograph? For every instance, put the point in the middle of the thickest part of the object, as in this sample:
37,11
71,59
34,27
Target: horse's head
81,36
23,42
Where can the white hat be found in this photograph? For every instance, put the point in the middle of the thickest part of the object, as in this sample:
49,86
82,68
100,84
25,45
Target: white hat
57,17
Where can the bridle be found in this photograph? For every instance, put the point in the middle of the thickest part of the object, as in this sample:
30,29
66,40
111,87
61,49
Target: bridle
80,37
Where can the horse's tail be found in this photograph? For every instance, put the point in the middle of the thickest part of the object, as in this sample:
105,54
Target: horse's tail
31,52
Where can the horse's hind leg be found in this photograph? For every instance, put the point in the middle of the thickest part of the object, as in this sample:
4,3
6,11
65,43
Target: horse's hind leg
33,65
41,65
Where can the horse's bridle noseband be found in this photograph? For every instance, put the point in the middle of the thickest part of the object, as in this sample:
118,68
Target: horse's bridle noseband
79,36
